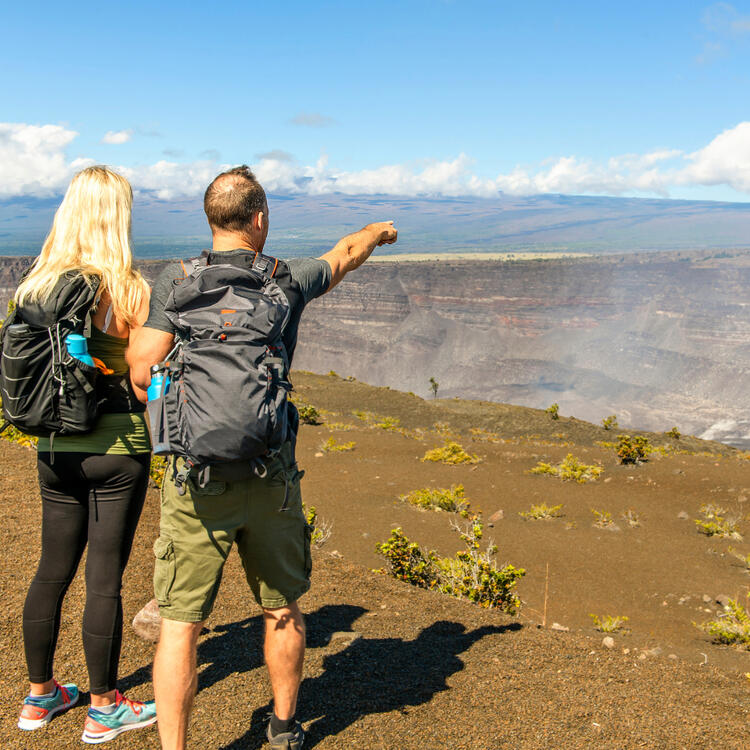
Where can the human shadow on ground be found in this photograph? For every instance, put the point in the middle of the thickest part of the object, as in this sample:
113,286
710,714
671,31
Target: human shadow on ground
238,647
375,675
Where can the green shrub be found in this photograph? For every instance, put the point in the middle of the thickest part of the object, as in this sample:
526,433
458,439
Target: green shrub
333,446
570,469
732,627
157,469
633,450
554,411
542,512
609,623
320,530
674,433
470,574
603,520
610,422
450,453
715,523
308,414
451,500
434,385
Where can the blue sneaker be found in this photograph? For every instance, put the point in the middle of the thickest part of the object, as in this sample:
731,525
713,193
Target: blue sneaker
37,712
101,727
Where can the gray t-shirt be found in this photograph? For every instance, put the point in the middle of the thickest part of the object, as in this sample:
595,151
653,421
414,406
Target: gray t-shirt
301,280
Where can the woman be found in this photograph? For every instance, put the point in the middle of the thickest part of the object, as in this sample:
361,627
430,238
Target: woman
94,484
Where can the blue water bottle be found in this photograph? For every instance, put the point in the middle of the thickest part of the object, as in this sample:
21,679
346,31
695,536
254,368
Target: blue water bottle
159,383
78,349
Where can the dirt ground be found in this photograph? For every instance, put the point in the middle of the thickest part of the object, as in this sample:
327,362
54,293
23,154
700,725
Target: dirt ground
391,666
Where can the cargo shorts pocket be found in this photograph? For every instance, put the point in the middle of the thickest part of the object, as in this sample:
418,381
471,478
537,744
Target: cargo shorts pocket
164,570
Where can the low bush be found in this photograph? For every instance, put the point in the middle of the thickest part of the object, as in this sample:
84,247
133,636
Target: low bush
470,574
450,453
451,500
609,623
320,529
570,469
716,523
633,450
308,414
631,518
542,512
333,446
731,627
610,422
603,520
674,433
554,411
157,469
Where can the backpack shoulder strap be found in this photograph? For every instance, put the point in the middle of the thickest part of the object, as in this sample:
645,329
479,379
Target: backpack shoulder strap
265,265
193,264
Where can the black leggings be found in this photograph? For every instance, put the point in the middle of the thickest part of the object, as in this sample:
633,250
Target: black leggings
86,499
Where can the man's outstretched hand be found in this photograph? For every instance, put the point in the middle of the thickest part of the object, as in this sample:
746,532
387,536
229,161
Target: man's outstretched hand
387,232
353,250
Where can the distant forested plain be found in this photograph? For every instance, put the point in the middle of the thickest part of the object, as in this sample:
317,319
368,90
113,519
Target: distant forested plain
304,225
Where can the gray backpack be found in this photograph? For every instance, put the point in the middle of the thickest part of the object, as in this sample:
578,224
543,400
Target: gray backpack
223,392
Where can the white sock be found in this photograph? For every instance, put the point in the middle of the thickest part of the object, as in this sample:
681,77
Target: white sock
108,709
44,695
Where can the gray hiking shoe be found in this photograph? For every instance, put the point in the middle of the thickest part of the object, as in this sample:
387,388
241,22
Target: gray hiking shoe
286,740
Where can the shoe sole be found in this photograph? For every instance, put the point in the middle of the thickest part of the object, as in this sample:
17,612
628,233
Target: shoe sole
95,739
29,725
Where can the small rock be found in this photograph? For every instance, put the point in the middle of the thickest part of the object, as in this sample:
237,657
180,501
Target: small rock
147,623
655,651
706,598
673,657
319,454
557,626
665,603
608,642
678,471
626,651
498,515
335,553
683,516
723,599
642,657
607,480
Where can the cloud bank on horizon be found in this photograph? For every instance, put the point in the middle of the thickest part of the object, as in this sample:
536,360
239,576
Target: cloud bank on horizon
34,162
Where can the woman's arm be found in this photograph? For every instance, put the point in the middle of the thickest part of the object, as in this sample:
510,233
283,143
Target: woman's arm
133,334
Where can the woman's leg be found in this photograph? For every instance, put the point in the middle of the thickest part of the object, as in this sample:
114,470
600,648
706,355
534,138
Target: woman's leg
64,531
118,487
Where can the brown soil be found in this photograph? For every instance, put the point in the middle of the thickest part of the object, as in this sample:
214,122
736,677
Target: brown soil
391,666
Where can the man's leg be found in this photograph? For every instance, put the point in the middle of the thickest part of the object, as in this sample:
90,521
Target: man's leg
175,680
284,650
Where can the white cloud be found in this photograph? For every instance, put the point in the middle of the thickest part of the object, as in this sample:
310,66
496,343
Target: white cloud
33,161
117,137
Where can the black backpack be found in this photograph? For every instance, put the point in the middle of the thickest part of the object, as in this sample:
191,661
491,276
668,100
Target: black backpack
45,391
227,396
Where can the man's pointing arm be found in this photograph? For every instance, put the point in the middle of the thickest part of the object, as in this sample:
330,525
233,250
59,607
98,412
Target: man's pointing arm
353,250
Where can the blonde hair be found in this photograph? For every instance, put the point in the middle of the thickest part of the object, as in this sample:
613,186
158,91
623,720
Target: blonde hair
90,234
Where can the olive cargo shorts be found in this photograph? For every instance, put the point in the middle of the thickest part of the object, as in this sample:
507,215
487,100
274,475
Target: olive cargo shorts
198,529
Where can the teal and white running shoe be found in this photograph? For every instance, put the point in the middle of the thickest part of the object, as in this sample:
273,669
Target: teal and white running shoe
101,727
37,712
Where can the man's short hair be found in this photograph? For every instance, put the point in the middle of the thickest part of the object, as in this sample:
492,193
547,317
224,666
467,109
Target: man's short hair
233,198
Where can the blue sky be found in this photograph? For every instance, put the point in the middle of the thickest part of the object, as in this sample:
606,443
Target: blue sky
416,97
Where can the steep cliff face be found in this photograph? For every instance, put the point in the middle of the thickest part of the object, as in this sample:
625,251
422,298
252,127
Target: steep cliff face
658,341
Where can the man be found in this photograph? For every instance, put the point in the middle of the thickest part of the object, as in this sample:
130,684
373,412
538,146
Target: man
199,527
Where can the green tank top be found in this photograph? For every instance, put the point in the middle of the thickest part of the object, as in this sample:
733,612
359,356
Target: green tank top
122,434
